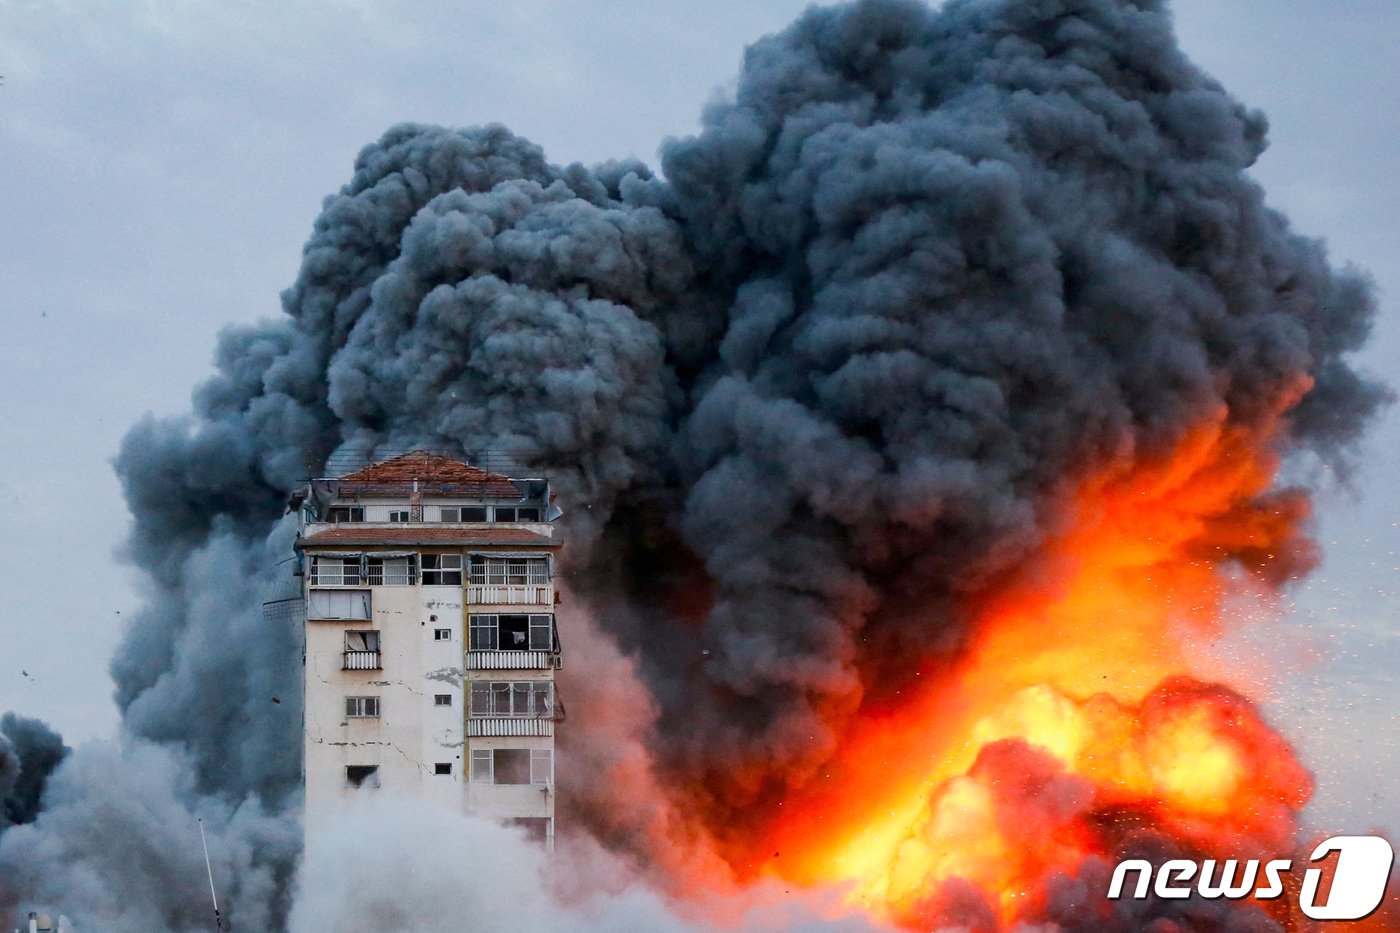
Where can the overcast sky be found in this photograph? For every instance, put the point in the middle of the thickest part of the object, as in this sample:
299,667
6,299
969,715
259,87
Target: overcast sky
161,164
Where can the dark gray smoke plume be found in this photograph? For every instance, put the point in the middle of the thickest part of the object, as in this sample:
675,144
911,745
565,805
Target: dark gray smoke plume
29,751
924,269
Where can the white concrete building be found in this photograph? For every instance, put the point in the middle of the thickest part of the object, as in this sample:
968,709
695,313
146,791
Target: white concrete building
431,643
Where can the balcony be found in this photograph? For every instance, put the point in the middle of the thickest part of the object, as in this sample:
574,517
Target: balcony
510,594
488,727
361,661
511,660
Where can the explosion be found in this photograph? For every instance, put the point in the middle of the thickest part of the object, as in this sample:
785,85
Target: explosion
1070,720
1071,725
918,432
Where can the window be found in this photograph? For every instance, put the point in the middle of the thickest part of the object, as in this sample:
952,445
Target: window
442,767
362,775
362,639
399,515
442,634
512,633
521,699
517,513
390,571
340,604
512,766
362,650
465,513
442,569
515,571
342,513
335,571
362,707
442,699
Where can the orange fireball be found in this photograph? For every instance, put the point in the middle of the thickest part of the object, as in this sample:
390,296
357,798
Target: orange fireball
1072,718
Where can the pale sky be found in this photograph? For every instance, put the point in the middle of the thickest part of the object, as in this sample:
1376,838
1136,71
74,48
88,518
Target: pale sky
161,165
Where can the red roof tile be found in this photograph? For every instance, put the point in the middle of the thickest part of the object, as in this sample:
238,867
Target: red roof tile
432,472
340,535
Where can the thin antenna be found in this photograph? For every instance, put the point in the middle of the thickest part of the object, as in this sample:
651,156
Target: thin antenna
218,923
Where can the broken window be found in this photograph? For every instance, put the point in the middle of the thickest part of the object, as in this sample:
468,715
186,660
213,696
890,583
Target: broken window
399,515
521,699
362,639
442,634
362,775
512,766
504,514
362,707
527,515
442,767
512,632
339,604
362,650
442,699
442,569
514,571
344,513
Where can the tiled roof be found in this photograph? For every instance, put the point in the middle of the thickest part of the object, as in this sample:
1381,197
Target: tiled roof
409,534
432,472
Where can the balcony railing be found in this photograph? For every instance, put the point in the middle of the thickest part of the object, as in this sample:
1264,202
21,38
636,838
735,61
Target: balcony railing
361,661
510,594
488,727
511,660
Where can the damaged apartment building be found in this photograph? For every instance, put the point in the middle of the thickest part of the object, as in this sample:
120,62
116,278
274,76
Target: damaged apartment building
430,639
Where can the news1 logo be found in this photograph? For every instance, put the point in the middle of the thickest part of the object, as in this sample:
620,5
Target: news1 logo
1358,882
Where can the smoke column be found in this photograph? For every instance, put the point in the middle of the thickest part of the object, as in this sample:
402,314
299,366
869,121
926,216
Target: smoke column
814,397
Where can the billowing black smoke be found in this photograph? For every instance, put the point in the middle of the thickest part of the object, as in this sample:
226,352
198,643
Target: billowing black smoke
29,751
923,267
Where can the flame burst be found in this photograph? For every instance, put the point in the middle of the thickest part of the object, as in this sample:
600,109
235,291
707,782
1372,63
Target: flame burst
1072,720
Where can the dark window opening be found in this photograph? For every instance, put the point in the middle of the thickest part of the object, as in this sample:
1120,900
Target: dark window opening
512,632
512,766
442,767
442,569
527,515
536,827
343,513
362,775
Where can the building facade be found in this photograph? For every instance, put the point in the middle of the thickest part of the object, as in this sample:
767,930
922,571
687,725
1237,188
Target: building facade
430,639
